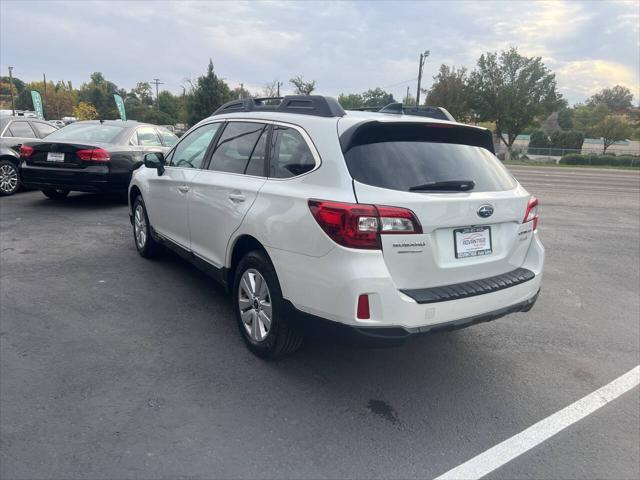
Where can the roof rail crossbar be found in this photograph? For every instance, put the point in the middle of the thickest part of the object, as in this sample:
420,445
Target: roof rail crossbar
420,111
317,105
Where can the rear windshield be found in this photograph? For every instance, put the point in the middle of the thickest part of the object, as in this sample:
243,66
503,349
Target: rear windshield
87,132
402,165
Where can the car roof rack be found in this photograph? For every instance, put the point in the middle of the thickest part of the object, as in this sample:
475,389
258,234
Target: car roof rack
419,111
317,105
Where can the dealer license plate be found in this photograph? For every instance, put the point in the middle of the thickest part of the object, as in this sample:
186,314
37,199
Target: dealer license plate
55,157
472,241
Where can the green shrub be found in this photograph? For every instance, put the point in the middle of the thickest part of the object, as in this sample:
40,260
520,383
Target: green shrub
567,140
592,159
538,143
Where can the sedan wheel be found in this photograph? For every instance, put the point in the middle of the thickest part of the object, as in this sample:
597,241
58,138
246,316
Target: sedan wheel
9,179
254,301
140,227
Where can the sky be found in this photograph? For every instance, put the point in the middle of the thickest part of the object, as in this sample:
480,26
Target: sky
346,47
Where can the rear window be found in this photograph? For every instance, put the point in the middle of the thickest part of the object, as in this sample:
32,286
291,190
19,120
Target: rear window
401,161
87,132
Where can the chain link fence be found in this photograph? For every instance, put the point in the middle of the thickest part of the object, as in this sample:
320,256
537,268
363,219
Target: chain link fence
566,156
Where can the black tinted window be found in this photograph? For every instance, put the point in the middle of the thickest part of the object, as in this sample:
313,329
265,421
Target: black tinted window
291,155
401,165
258,158
88,132
190,152
43,129
236,146
21,130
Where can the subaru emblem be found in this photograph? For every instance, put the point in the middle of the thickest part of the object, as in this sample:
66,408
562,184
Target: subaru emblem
485,211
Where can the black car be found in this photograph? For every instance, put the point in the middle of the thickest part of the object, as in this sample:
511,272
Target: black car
91,156
14,131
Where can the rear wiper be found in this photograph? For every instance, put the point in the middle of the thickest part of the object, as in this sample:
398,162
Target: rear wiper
456,185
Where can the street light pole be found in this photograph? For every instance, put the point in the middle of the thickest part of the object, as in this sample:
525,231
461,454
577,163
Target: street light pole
13,107
423,58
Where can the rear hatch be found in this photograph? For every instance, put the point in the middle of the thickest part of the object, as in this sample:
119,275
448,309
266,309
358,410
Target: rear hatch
469,206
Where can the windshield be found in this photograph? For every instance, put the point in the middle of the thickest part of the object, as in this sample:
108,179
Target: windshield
400,165
87,132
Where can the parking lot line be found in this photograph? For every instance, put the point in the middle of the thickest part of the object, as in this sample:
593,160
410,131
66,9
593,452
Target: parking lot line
504,452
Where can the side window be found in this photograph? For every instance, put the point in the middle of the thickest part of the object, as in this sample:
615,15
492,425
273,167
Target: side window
291,155
168,138
21,130
134,139
258,158
147,137
189,153
236,146
43,129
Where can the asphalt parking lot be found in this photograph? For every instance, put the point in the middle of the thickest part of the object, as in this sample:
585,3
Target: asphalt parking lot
112,366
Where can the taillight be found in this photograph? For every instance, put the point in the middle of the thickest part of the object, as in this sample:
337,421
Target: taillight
26,151
94,155
531,215
356,225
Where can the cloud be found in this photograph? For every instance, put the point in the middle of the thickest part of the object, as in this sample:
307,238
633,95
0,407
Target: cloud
588,76
344,46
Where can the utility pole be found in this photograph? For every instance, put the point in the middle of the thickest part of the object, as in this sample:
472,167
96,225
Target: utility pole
423,58
44,100
13,107
157,82
406,99
241,91
279,84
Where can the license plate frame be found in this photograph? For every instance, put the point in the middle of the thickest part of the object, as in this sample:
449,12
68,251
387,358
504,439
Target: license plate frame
478,238
56,157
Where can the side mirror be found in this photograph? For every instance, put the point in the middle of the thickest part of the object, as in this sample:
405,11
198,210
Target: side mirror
155,160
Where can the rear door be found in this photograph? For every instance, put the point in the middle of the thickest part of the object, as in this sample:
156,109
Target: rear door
169,192
223,194
468,233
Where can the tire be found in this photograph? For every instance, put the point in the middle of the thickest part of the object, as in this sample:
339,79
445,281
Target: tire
9,178
56,194
251,302
145,244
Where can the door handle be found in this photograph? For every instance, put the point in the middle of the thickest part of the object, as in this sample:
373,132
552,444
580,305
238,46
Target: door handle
183,188
237,197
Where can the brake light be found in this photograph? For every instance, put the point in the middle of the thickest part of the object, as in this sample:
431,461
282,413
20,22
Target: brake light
356,225
26,151
94,155
531,215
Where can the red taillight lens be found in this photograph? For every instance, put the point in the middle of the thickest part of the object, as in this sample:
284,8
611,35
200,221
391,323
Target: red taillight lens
357,225
94,155
363,307
531,215
26,151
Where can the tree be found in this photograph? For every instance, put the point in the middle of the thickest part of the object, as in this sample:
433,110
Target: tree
611,129
270,89
538,143
142,91
170,105
377,98
616,99
512,90
302,87
565,118
449,90
85,111
241,92
207,95
99,92
350,101
586,117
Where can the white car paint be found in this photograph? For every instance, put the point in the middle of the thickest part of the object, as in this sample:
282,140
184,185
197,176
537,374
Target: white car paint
214,209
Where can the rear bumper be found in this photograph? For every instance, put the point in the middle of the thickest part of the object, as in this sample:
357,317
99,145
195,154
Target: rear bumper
93,178
328,287
392,334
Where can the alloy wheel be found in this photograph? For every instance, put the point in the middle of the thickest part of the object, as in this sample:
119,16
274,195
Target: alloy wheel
140,227
8,178
254,301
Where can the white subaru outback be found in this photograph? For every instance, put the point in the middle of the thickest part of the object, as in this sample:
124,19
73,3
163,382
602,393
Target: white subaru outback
378,225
